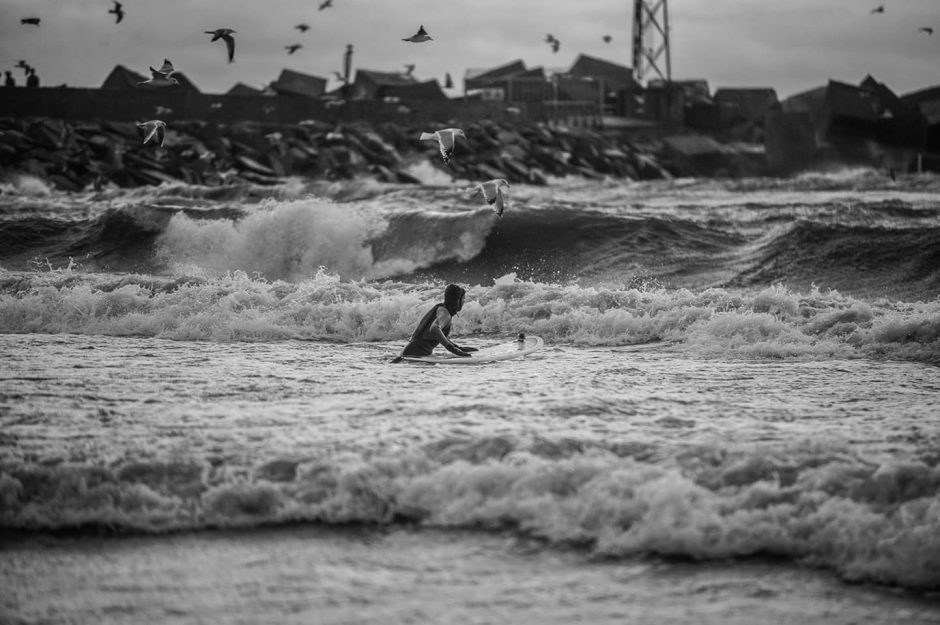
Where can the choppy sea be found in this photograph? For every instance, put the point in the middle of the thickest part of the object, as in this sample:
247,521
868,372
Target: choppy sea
735,417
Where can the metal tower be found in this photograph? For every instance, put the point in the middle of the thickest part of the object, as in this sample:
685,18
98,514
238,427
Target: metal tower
651,39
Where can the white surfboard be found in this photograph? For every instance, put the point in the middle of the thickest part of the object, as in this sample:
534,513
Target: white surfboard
494,353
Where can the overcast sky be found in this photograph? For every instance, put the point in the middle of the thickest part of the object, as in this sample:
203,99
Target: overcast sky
791,46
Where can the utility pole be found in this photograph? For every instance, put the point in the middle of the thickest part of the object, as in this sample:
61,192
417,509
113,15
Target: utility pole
347,67
651,40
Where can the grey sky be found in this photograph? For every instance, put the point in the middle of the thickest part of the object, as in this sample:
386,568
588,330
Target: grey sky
791,46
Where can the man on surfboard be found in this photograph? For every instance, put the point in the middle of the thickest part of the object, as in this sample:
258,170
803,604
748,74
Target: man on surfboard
434,327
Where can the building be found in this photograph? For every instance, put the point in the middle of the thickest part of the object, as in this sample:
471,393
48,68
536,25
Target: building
291,83
927,102
243,89
375,85
743,106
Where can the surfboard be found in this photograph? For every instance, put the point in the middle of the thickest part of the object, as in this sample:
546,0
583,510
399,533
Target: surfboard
494,353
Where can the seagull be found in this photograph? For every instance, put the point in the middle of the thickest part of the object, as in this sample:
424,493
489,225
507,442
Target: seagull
493,194
420,36
878,9
26,66
30,20
549,38
293,48
161,77
446,139
153,128
302,27
410,67
925,29
339,77
118,11
326,4
607,38
555,45
226,35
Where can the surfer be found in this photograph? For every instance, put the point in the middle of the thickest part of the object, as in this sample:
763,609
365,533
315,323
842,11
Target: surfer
434,327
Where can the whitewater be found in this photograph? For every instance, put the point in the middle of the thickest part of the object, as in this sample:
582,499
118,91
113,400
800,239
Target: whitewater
733,419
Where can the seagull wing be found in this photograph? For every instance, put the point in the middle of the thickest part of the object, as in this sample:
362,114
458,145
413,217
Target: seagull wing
230,44
151,131
490,191
500,201
167,68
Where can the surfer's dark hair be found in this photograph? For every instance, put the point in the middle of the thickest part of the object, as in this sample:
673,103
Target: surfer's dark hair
453,296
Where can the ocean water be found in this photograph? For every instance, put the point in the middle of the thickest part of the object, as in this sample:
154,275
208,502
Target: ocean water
734,418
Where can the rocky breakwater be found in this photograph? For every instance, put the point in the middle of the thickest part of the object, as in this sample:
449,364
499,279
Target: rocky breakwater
75,156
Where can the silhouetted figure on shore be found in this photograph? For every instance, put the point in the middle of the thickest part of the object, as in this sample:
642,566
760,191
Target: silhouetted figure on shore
10,81
32,80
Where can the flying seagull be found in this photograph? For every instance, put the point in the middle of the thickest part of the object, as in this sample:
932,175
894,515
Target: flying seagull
925,29
161,77
493,194
607,38
446,140
118,12
555,45
226,35
549,38
878,9
30,20
420,36
26,66
302,27
326,4
410,67
293,48
153,128
339,77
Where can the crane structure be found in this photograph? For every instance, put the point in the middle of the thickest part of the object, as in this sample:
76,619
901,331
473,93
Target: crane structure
651,40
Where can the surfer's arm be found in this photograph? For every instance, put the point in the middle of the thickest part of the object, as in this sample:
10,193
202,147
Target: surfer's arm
436,332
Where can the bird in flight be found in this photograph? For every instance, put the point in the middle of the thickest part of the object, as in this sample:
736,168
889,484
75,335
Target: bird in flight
420,36
878,9
410,67
326,4
293,48
118,12
162,77
23,64
302,27
925,29
30,20
153,128
549,38
446,140
493,194
224,34
555,45
607,38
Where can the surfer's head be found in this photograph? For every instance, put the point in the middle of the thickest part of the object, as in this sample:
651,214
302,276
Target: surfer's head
453,298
